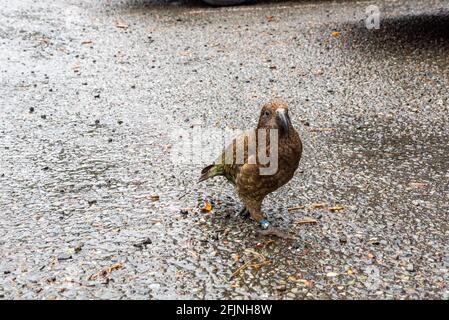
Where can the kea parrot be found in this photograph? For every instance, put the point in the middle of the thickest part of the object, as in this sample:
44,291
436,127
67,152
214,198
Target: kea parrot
259,161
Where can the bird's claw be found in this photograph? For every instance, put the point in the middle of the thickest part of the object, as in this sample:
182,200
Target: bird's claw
244,212
271,231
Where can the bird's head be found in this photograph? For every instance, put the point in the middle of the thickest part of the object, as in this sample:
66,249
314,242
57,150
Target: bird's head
274,115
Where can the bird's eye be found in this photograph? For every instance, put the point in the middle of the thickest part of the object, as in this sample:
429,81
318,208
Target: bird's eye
267,113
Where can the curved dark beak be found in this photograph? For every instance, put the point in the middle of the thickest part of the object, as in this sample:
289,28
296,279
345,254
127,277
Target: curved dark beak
283,120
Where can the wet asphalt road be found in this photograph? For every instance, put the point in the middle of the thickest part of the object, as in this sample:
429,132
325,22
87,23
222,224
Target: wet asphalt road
91,91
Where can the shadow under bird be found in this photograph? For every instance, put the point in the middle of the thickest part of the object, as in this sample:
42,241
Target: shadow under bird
244,161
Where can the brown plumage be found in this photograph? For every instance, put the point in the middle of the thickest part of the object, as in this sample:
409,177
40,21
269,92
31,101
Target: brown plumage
251,184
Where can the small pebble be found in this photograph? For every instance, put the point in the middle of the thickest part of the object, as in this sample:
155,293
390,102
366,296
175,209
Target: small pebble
410,267
281,287
64,256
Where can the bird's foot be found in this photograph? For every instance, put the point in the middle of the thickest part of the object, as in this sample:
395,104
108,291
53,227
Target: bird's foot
244,212
272,231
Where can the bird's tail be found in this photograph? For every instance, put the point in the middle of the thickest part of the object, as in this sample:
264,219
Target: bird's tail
211,171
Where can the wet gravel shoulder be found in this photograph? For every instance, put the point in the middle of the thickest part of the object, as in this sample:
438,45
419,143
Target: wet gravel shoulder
94,207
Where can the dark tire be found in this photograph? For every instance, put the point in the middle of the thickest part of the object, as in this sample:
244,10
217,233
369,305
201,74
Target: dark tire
224,2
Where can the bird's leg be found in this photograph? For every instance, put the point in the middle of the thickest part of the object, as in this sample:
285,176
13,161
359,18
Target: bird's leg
254,210
244,212
264,223
268,230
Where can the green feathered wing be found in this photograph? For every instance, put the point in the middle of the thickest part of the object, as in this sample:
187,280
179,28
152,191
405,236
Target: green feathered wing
227,167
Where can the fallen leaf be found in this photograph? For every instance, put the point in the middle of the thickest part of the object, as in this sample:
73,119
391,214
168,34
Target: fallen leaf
251,262
264,244
207,206
121,24
103,272
306,221
318,205
335,33
336,208
86,42
259,265
295,208
371,256
270,18
308,283
292,278
115,266
243,266
154,197
418,185
281,287
236,257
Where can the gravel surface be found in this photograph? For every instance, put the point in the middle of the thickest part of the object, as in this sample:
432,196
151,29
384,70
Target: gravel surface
92,205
